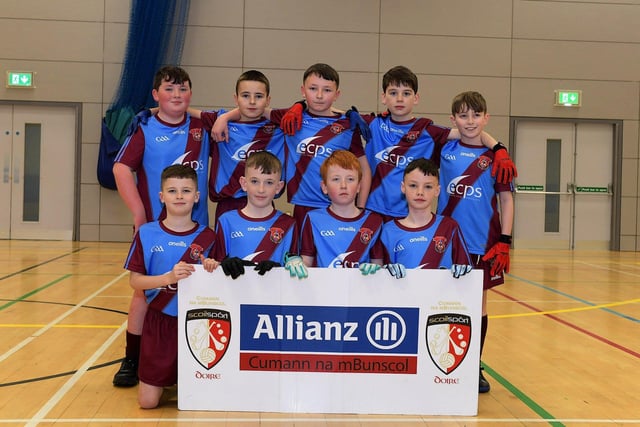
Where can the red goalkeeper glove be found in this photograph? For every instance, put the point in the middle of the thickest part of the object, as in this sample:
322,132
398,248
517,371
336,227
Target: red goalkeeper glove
503,167
498,255
292,120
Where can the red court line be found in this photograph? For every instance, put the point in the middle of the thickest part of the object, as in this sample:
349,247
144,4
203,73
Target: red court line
571,325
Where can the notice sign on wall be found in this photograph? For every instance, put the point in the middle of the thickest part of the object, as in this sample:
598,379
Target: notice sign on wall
336,342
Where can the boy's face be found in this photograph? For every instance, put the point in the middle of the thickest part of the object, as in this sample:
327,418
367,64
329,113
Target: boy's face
173,99
320,95
251,99
341,185
400,100
179,195
261,187
420,190
470,123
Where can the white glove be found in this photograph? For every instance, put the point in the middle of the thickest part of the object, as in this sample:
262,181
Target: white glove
294,265
460,270
397,270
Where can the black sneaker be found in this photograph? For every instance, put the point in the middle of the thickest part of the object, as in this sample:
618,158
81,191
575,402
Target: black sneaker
483,385
127,375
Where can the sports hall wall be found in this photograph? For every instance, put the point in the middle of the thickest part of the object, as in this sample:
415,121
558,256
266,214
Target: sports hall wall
516,52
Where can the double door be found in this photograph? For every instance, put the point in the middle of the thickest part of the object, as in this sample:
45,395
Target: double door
37,172
565,187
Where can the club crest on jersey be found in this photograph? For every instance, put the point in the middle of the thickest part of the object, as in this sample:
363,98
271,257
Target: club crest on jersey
412,136
196,134
448,337
269,128
208,333
276,234
483,162
440,244
365,235
195,250
336,128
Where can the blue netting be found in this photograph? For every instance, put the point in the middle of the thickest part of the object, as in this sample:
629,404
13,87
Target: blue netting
156,37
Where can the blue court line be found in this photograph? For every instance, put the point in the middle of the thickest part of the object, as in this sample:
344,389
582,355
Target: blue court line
575,298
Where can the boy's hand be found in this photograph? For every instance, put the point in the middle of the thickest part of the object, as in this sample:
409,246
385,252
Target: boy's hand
460,270
367,268
292,120
503,167
182,270
209,264
264,266
234,266
397,270
356,120
219,130
294,265
499,257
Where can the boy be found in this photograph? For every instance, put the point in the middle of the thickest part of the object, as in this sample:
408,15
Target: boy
258,234
423,239
157,260
341,235
323,131
482,206
398,137
168,137
249,134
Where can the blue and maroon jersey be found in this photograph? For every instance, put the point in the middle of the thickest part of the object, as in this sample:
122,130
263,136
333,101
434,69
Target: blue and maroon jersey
156,145
391,147
469,193
308,148
439,244
339,242
228,158
155,250
255,239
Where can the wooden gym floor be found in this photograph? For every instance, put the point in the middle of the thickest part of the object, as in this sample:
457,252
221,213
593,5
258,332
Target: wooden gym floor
563,346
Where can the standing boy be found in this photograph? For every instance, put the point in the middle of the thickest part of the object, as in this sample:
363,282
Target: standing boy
398,137
169,137
341,235
162,253
482,206
322,131
423,239
258,234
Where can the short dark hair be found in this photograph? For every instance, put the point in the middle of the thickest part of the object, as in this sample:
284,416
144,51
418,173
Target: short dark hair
171,74
179,171
264,161
468,100
325,71
400,75
253,76
426,166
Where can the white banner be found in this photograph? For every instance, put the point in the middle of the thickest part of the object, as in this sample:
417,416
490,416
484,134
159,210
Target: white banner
337,342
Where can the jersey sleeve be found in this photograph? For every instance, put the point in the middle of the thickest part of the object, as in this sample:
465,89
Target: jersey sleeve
135,258
132,151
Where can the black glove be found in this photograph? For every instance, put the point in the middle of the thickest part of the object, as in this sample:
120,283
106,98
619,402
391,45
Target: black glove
356,121
264,266
234,266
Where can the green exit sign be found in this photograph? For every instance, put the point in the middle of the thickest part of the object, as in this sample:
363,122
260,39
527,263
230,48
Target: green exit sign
568,98
20,79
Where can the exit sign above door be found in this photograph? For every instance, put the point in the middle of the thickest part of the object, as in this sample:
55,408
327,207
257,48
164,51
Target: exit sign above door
568,98
20,79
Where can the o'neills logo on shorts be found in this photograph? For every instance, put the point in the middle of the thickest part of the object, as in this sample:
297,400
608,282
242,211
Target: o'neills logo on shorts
208,332
448,339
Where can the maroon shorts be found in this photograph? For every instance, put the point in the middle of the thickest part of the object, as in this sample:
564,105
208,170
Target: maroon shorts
159,349
488,281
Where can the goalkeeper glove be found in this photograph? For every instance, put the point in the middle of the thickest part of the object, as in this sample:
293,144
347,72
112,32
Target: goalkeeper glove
264,266
503,167
367,268
234,266
498,255
294,265
139,119
397,270
460,270
292,120
356,121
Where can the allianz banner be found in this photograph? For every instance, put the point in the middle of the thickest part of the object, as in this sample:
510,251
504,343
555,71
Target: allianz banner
336,342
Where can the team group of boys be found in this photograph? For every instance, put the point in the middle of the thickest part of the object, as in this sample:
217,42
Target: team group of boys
366,206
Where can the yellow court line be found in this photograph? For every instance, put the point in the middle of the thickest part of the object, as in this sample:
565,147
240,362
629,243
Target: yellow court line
566,310
27,325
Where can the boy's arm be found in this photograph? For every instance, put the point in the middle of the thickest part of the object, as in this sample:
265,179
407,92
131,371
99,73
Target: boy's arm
126,183
308,260
365,182
220,130
141,281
